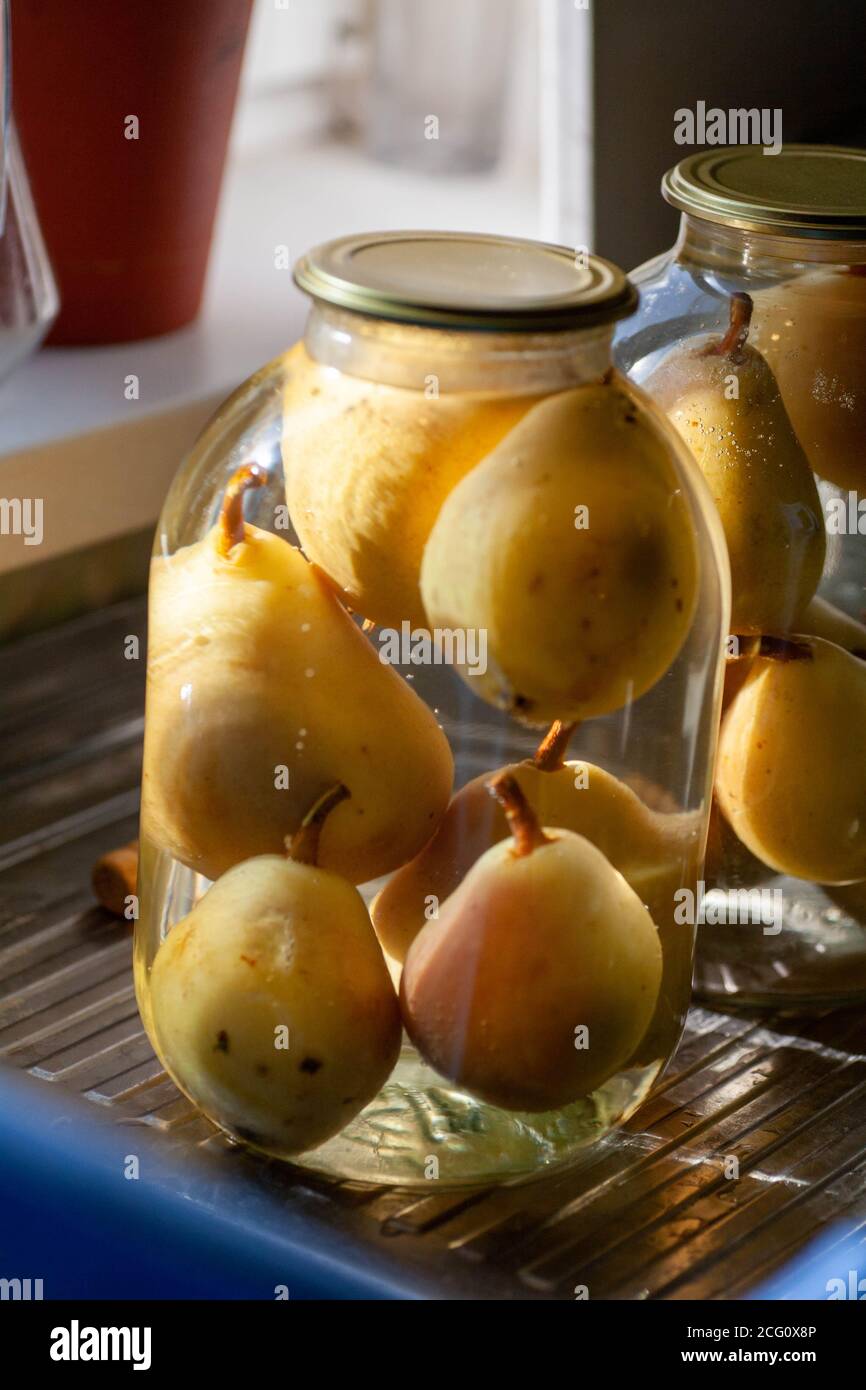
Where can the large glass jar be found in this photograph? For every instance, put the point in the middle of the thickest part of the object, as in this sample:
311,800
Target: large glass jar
484,690
752,337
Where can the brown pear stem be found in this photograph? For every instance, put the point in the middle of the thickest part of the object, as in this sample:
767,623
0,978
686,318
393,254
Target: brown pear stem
522,820
250,475
785,649
303,846
550,753
731,345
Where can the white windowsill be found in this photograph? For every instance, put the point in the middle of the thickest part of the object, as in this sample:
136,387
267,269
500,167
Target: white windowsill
101,462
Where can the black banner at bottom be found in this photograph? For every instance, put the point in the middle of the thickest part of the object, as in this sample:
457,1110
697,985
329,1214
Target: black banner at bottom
235,1338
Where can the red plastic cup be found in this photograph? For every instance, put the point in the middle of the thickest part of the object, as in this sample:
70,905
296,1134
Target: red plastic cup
127,210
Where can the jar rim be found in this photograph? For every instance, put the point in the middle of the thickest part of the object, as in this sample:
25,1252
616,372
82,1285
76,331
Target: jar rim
466,280
803,191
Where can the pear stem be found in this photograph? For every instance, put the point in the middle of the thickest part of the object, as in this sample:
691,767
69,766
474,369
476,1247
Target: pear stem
731,345
303,846
250,475
550,753
785,649
522,820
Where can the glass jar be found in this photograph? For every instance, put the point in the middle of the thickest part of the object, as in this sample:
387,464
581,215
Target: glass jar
752,336
485,691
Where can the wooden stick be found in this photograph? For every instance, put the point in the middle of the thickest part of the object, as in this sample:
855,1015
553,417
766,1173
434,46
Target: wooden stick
114,877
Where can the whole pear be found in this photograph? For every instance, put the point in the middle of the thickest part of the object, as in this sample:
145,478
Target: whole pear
722,397
812,331
261,693
573,547
649,849
540,976
791,769
271,1002
367,468
728,862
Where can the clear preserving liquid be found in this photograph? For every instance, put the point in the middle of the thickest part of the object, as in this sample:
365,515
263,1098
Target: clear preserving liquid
420,1126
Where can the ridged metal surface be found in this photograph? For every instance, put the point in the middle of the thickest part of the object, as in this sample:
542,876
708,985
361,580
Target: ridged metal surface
651,1213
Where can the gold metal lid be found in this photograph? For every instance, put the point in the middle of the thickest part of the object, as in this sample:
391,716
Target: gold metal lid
803,191
466,280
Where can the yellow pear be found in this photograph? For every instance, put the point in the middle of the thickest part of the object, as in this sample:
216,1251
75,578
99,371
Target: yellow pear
812,331
728,862
650,850
367,468
272,1005
791,769
572,546
540,976
262,692
756,470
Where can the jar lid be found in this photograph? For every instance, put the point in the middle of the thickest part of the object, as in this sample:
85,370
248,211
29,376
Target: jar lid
466,280
804,190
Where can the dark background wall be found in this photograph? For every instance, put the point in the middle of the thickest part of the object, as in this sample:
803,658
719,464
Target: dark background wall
653,56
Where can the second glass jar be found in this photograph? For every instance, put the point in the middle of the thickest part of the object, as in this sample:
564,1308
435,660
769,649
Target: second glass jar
752,337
